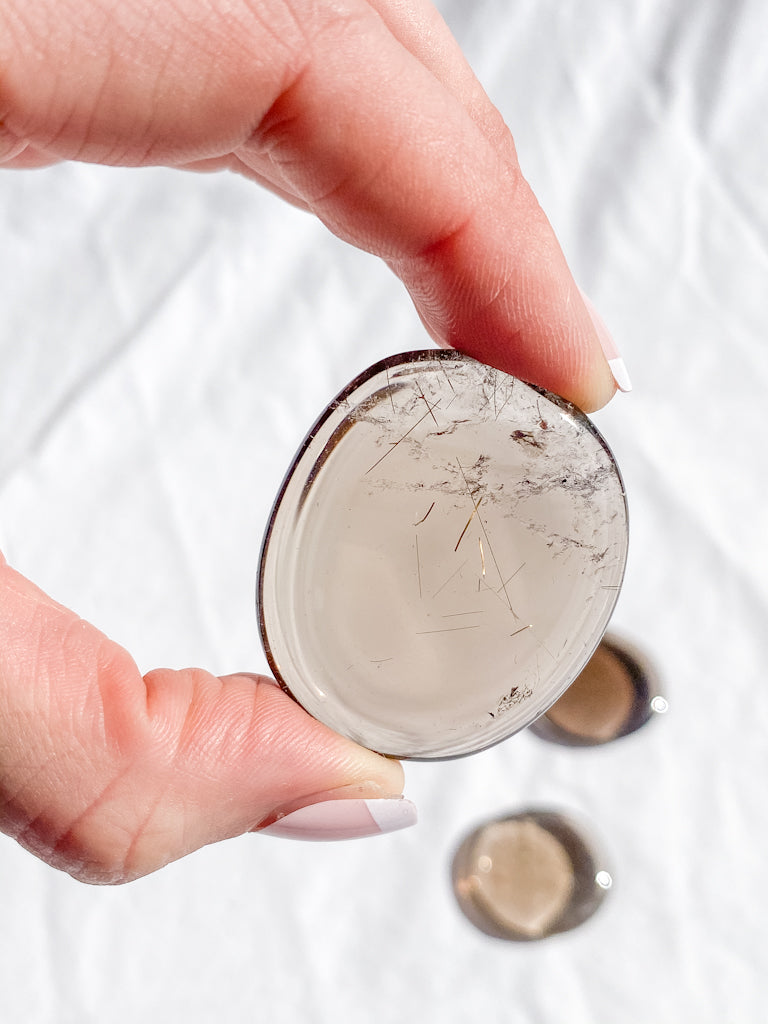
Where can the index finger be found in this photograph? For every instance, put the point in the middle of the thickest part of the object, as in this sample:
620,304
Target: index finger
387,136
368,117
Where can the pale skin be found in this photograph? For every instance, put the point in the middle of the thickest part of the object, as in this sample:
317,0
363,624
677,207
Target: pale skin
366,114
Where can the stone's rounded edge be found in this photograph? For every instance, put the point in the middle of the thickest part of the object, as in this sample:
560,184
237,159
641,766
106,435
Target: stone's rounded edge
574,410
592,877
384,365
646,677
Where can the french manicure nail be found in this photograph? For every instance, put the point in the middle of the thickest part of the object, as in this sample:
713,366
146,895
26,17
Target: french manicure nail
608,345
344,819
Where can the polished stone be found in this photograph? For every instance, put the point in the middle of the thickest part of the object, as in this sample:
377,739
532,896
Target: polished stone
528,876
617,692
443,557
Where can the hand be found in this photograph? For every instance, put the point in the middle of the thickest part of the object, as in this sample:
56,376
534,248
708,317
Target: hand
366,114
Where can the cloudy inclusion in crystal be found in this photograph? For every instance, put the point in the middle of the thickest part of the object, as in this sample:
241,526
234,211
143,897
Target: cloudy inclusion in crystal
443,557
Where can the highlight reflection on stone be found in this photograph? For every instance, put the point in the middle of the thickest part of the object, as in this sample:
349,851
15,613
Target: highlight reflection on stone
528,876
616,693
443,557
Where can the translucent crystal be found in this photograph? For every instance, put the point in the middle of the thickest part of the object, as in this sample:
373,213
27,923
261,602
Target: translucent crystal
616,693
443,557
529,875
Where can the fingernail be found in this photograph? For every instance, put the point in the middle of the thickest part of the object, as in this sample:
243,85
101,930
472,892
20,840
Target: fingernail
608,345
344,819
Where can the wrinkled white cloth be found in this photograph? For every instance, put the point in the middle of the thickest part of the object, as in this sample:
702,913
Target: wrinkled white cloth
166,339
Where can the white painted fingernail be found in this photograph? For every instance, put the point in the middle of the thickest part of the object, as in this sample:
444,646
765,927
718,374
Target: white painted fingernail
620,374
608,345
344,819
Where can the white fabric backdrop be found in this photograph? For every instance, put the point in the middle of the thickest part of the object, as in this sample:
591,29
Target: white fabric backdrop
166,339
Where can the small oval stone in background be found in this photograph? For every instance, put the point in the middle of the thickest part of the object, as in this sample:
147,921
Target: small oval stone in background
529,875
616,693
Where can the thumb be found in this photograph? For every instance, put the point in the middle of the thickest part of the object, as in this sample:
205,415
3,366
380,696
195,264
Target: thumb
109,776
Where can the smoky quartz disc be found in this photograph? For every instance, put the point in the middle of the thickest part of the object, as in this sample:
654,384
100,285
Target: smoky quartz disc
616,693
528,876
443,557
